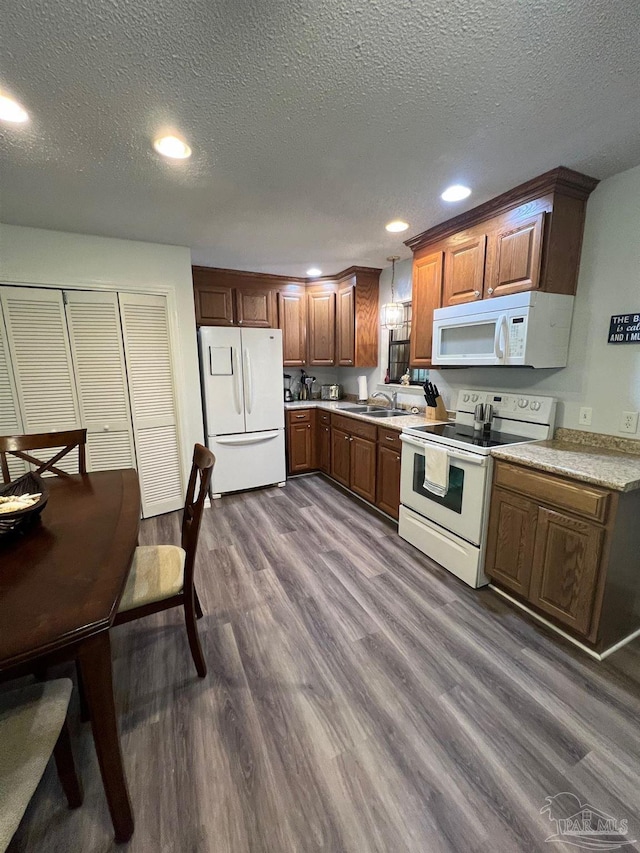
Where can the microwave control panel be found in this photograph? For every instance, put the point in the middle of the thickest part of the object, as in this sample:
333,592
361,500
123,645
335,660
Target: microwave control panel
517,336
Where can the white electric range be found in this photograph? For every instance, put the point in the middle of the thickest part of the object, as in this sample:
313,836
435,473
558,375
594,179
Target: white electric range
452,529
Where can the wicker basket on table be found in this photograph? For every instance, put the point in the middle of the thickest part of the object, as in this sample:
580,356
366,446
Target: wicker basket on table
20,520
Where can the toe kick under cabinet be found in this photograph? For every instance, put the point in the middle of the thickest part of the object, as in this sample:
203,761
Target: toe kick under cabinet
568,550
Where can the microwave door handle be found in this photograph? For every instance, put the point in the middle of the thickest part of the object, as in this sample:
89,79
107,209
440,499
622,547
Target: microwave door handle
498,350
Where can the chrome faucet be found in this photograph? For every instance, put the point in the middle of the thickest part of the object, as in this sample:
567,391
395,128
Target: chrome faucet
393,399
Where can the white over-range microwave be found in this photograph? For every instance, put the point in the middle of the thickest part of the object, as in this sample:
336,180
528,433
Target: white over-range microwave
525,329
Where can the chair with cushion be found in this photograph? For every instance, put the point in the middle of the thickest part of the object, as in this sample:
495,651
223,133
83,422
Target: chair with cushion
161,576
32,727
20,445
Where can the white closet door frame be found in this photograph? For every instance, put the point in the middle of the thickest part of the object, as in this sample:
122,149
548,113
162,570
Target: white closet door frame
27,344
95,333
156,426
10,417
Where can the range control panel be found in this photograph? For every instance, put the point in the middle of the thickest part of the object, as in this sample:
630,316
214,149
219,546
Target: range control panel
517,406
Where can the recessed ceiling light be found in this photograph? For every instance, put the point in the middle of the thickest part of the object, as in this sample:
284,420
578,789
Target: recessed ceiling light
455,193
11,110
171,146
396,226
314,272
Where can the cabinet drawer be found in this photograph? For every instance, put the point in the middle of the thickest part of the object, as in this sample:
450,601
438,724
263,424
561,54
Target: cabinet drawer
354,427
299,416
389,438
324,417
581,498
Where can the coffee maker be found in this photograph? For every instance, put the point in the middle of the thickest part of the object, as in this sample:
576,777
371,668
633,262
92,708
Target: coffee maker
288,396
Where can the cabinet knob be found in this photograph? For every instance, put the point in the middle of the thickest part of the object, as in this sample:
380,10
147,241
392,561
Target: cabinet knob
476,293
308,426
351,439
490,291
397,458
346,438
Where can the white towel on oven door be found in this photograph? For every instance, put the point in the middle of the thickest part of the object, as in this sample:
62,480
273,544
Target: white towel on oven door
436,470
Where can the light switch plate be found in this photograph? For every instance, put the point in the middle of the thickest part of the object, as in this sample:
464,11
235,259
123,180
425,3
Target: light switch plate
629,422
585,416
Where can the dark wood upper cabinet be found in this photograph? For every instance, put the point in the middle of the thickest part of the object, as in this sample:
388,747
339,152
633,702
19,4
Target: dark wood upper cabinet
214,303
528,238
292,319
256,307
426,297
321,325
345,323
514,259
565,568
464,271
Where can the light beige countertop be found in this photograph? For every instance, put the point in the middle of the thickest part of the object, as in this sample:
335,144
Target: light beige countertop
342,407
591,457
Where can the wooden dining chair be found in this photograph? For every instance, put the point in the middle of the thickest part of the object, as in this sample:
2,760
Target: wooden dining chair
162,576
21,445
33,725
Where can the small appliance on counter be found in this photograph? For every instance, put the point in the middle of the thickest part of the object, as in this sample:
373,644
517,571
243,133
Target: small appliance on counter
288,393
306,386
331,392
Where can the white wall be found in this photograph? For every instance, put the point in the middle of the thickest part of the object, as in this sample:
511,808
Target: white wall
601,375
38,257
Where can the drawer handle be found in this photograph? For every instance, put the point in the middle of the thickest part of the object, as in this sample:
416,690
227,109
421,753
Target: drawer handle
390,437
300,417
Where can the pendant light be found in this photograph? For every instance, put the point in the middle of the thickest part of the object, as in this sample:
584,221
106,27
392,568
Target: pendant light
392,316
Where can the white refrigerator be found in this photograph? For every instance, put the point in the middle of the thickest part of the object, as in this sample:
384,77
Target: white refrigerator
241,372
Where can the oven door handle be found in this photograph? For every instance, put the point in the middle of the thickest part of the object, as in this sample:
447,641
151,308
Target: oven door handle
473,458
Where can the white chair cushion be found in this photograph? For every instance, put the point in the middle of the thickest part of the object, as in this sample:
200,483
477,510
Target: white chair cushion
157,572
30,722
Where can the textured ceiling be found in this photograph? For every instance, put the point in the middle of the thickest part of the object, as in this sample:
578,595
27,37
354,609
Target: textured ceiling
312,123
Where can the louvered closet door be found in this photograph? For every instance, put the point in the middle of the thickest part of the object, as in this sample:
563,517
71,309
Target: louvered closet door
101,378
39,349
10,421
145,327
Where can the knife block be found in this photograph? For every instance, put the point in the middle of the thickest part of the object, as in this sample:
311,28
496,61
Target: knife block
437,412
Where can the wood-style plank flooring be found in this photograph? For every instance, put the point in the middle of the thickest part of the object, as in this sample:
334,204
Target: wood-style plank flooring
359,698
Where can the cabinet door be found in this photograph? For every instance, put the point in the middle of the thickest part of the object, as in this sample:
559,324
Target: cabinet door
300,448
323,444
464,271
340,456
363,468
321,313
516,254
256,308
292,319
345,325
512,528
214,305
565,568
388,480
426,297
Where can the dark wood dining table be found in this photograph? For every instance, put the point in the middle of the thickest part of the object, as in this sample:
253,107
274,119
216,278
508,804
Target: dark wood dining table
60,586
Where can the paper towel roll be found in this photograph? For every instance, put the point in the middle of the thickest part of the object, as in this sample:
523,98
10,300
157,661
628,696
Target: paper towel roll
363,393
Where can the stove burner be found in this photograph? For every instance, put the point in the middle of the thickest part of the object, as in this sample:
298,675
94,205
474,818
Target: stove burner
466,435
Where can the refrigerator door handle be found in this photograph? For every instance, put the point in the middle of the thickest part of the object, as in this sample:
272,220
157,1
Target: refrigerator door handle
247,379
236,382
246,438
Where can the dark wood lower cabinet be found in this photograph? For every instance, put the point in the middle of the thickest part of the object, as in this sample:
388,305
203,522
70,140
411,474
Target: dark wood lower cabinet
363,468
567,549
323,446
388,480
340,456
300,448
565,568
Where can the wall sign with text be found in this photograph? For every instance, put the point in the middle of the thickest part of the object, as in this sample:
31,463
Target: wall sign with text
624,329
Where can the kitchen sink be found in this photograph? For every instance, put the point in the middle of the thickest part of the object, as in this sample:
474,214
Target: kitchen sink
387,413
364,410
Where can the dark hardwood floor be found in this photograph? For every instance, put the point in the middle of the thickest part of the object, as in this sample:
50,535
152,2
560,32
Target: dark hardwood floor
359,698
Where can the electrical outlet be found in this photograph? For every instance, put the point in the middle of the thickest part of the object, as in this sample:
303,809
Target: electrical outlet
585,416
629,422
